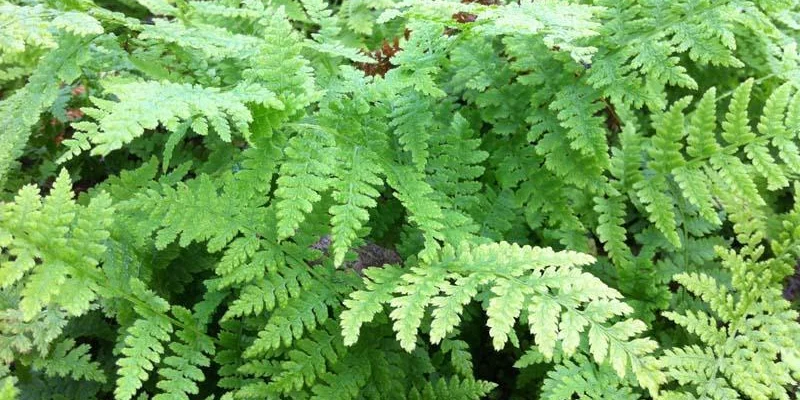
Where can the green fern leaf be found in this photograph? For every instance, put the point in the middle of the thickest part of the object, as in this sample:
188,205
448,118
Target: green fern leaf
142,351
182,369
303,176
67,359
355,193
517,278
146,105
701,140
362,306
64,274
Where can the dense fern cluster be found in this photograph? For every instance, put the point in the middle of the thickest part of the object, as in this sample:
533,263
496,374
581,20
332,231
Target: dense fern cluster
419,199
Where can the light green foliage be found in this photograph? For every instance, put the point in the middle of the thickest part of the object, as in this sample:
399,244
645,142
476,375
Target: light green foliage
28,31
118,123
196,210
8,391
52,246
751,324
556,298
142,349
710,166
142,346
399,199
562,25
579,377
182,369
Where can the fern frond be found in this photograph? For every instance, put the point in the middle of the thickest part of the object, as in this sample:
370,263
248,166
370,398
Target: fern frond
201,209
310,161
454,388
412,120
455,163
7,389
660,207
560,25
579,377
19,336
632,74
142,352
48,273
247,12
67,359
182,369
460,357
363,305
280,68
610,229
326,39
246,260
751,325
302,306
145,105
213,43
415,194
354,191
30,31
159,7
306,362
22,110
536,281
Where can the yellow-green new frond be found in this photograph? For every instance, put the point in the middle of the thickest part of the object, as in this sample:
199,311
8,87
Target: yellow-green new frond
559,300
28,32
750,338
715,174
7,389
280,67
212,42
51,246
561,25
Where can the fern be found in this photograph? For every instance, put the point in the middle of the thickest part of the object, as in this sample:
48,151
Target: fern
302,178
723,368
69,359
143,349
143,346
303,305
582,378
28,31
707,157
36,233
205,108
190,354
23,108
246,199
519,280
